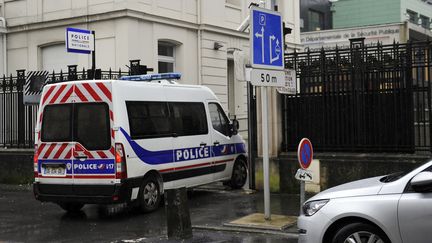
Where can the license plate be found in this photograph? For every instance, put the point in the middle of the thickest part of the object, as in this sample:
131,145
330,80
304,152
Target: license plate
53,170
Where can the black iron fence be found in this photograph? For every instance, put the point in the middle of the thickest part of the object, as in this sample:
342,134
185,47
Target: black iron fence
374,99
17,121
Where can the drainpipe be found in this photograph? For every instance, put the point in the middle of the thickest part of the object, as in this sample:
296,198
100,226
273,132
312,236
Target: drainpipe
3,25
199,42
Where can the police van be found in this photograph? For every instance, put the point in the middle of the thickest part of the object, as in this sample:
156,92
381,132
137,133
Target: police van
127,140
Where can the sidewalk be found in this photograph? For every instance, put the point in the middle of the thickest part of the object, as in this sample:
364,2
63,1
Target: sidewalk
213,205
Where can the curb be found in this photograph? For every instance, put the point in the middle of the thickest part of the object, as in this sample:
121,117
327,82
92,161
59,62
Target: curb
246,230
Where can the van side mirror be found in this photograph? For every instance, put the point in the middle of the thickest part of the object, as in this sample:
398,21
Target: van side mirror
422,182
234,127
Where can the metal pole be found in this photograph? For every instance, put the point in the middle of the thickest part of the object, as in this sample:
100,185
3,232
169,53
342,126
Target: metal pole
94,55
251,136
302,194
265,146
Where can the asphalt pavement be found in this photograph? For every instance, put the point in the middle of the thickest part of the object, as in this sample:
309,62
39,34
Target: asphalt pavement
23,219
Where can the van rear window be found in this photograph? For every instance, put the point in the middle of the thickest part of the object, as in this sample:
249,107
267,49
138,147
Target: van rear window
92,127
56,123
86,123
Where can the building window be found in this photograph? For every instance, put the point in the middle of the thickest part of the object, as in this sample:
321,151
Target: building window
425,21
316,20
233,2
166,57
412,16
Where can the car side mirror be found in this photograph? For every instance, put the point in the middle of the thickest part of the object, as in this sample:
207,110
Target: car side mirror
234,126
422,182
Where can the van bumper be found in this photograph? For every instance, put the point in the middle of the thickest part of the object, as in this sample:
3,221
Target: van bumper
87,194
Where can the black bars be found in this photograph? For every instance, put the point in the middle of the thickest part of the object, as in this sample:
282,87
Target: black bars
361,99
17,121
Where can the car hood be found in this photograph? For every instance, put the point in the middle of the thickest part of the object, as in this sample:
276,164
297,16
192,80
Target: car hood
370,186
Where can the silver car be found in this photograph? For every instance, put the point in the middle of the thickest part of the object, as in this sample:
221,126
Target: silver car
393,208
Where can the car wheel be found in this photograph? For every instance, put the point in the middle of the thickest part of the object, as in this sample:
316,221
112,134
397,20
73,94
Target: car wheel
360,233
149,195
71,207
239,174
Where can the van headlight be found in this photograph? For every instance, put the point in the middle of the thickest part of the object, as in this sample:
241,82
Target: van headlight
310,208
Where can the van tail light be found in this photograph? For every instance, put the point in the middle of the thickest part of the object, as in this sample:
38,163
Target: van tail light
120,159
35,162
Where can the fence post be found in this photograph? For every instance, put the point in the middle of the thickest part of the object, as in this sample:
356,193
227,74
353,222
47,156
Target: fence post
21,110
72,72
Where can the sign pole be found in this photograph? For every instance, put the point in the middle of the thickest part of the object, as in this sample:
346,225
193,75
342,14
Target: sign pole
94,55
267,212
302,194
305,157
265,146
267,63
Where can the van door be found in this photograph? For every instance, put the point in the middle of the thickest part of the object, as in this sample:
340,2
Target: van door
224,151
191,144
93,156
55,147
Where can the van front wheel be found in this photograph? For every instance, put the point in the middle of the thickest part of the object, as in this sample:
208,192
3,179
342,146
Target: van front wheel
149,194
239,174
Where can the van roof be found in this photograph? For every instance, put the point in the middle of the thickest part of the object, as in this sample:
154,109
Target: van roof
125,84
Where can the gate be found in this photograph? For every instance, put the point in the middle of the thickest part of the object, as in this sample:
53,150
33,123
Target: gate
17,121
363,98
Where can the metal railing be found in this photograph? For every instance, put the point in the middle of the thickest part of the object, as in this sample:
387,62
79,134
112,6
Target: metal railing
17,121
374,98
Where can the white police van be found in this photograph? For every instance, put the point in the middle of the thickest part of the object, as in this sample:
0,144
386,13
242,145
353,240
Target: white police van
112,141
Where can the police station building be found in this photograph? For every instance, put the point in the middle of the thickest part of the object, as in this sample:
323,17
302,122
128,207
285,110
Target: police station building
197,38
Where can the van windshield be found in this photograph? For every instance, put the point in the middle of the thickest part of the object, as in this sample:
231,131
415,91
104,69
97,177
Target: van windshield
86,123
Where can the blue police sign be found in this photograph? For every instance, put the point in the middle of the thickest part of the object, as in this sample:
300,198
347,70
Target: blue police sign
79,41
267,47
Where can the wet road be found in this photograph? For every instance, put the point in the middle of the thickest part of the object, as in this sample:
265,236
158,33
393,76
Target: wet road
23,219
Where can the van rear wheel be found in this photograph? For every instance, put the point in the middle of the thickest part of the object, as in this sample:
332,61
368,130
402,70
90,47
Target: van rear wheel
239,174
149,194
71,207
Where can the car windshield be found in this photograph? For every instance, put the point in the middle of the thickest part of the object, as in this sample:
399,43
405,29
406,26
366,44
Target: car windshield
393,177
396,176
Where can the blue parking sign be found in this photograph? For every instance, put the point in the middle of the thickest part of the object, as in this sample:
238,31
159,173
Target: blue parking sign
267,47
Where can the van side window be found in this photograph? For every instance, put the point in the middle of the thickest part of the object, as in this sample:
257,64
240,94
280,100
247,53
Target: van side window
188,118
92,126
148,119
219,120
56,123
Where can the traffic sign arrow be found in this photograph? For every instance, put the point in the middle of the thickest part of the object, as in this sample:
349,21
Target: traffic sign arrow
257,35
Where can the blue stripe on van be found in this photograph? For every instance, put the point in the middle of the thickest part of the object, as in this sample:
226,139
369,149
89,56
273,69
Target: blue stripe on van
184,154
147,156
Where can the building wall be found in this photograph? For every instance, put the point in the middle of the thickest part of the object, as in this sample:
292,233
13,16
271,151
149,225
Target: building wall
321,6
417,6
131,29
354,13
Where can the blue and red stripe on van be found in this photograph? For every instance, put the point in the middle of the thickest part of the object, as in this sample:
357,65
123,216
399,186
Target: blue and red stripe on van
94,168
166,156
186,154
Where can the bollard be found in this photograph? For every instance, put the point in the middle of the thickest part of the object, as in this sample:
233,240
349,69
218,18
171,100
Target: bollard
179,225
